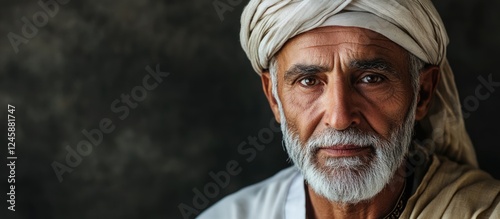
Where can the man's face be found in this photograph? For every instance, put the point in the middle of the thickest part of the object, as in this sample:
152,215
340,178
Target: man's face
347,107
340,77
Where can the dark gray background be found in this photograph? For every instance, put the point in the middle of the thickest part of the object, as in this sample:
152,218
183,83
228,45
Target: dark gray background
65,79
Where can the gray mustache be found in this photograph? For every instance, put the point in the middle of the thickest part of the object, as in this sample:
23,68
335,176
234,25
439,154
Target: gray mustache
331,137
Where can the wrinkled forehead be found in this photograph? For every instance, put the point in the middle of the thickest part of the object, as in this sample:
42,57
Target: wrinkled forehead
332,41
339,34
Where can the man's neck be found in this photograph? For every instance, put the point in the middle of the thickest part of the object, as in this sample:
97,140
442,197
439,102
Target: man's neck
319,207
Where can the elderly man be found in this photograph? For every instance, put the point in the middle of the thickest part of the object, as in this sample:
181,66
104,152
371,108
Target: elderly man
369,113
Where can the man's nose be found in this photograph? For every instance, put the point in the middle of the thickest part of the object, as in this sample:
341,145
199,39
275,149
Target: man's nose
341,111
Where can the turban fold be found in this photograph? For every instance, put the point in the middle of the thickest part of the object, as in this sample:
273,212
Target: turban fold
415,25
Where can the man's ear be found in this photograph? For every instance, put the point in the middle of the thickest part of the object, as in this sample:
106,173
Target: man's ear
429,79
267,86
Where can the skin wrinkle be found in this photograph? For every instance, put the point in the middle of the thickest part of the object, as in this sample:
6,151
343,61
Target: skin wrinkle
303,108
371,36
333,45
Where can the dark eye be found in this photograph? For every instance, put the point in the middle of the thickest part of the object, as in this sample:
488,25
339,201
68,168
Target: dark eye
308,82
371,79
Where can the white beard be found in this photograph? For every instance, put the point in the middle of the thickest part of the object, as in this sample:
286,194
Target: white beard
349,179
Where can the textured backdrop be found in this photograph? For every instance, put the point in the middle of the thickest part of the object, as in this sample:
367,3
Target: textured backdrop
161,146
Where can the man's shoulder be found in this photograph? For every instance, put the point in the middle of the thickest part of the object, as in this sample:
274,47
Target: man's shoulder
266,198
470,187
453,189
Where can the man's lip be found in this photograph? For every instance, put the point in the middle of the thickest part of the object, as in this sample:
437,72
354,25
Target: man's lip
344,150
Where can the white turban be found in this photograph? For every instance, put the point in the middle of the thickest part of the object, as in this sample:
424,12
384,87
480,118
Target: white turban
266,25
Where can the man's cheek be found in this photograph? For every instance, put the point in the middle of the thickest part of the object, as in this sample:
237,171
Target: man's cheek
303,120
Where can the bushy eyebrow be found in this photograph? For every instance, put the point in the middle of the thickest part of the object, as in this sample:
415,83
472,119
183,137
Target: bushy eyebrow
373,64
303,70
